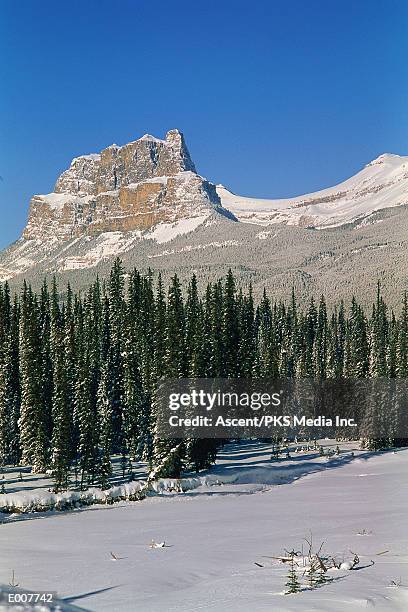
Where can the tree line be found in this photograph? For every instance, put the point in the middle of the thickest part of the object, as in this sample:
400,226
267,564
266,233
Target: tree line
78,375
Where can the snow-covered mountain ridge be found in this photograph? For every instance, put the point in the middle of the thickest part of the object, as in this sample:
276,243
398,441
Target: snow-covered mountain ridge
127,200
383,183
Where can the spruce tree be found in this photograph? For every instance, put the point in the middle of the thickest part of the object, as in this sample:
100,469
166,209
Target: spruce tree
175,342
85,410
175,366
230,329
33,421
402,342
247,340
61,450
292,584
105,412
159,333
214,325
136,398
8,359
193,321
379,338
320,347
267,351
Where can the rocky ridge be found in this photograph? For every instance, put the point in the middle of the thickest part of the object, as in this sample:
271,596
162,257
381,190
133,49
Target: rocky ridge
132,187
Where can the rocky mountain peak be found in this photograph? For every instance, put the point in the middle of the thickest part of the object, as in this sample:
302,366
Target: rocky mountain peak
123,188
118,166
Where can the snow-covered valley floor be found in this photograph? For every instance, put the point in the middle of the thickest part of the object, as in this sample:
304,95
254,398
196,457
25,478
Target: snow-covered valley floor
215,536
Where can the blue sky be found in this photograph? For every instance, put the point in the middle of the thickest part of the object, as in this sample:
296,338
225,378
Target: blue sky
275,97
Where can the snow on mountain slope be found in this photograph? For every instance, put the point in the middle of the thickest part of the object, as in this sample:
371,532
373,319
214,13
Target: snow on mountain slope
88,251
383,183
112,244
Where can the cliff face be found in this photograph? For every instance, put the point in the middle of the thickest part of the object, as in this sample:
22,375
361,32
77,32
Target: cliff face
117,167
126,188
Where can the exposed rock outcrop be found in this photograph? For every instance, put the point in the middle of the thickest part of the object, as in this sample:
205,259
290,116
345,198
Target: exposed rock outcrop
133,187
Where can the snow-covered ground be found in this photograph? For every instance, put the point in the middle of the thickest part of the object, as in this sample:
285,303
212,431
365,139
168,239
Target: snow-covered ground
215,535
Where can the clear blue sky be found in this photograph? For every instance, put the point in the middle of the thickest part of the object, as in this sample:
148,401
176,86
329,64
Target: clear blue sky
275,97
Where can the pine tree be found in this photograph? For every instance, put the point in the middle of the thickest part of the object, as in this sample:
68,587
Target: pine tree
193,321
175,366
292,584
176,352
247,343
310,325
401,371
114,315
4,410
145,332
33,421
214,324
372,429
70,360
335,346
46,357
6,376
85,410
379,338
105,412
312,577
61,453
13,360
267,356
320,346
392,347
230,329
136,401
357,350
199,452
159,334
402,343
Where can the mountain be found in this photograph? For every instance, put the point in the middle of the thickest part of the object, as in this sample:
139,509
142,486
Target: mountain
146,203
134,187
145,189
383,183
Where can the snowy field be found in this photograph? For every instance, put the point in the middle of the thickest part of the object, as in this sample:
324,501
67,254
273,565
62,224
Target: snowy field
221,540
